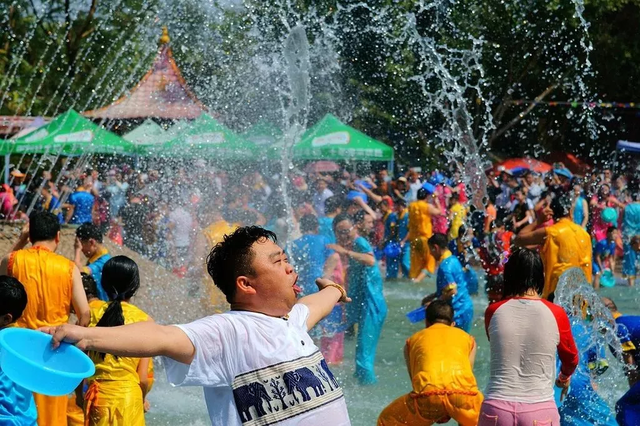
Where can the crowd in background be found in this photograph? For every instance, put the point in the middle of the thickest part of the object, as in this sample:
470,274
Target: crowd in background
161,213
358,230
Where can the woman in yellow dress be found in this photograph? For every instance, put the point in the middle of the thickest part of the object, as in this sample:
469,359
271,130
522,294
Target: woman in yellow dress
117,390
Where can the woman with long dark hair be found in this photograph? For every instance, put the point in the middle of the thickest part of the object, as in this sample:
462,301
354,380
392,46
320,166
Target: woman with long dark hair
118,387
525,332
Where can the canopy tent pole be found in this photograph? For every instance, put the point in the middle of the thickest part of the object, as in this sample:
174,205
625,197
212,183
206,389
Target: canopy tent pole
6,168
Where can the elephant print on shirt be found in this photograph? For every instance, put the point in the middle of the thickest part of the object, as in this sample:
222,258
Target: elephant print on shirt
295,387
300,380
325,367
251,395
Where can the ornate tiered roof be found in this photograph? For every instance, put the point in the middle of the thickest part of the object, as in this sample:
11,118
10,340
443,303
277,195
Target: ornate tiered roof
162,93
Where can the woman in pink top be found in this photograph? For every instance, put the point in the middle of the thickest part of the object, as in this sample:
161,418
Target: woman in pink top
599,202
440,223
525,332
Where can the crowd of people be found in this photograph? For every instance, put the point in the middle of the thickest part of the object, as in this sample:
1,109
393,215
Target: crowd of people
353,233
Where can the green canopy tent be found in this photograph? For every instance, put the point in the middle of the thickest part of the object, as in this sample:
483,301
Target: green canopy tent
206,137
330,139
70,134
267,137
148,137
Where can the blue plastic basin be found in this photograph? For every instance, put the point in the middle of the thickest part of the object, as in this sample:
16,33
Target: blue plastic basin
417,315
607,279
27,358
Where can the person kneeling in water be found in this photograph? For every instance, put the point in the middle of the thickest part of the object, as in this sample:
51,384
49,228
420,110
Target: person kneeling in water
440,363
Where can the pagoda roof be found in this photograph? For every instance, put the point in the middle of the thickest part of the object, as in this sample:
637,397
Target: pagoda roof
162,93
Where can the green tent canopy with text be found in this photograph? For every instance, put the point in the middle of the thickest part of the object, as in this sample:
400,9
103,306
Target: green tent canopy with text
69,134
208,138
331,139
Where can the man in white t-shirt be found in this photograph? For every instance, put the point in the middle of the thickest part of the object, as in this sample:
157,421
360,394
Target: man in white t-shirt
257,363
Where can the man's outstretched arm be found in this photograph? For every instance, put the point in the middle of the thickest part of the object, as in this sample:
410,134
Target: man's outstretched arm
320,304
139,340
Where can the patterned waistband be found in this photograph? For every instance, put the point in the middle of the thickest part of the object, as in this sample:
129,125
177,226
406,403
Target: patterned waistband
443,392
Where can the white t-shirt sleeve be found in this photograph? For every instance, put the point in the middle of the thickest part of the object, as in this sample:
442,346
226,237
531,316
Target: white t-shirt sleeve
299,315
212,365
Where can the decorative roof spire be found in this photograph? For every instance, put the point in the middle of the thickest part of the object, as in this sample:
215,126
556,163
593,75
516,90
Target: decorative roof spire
164,38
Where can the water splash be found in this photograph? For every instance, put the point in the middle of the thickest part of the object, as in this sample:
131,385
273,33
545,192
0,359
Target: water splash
584,305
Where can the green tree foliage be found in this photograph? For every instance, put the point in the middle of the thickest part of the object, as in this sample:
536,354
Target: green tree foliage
59,54
372,63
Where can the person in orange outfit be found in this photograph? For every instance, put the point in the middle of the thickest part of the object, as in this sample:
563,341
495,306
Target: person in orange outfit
53,285
440,362
420,230
564,244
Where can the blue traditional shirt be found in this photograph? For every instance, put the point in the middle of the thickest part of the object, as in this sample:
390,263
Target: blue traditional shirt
17,407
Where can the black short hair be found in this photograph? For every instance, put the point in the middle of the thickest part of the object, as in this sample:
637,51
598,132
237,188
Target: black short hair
13,297
561,206
332,204
89,285
439,311
422,194
232,257
341,217
43,226
524,271
359,216
439,240
611,229
308,223
401,202
88,231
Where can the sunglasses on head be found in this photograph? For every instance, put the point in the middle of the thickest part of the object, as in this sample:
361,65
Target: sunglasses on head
345,231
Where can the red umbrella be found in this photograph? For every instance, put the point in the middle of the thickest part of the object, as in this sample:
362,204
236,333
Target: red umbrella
515,165
322,167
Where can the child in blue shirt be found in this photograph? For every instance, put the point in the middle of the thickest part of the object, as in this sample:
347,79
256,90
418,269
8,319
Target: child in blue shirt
604,256
17,406
451,283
